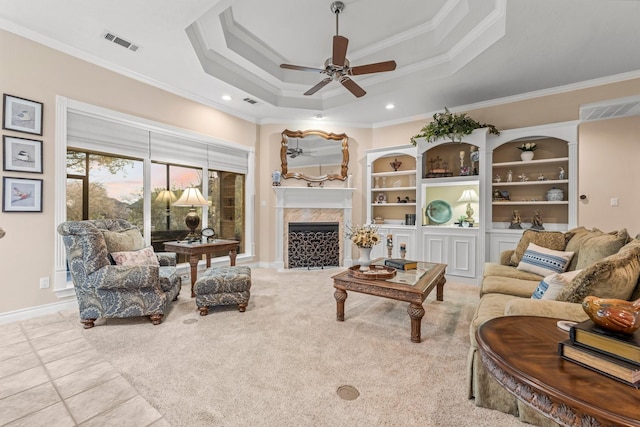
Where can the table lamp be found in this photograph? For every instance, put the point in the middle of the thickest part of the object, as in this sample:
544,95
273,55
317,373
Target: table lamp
469,195
192,197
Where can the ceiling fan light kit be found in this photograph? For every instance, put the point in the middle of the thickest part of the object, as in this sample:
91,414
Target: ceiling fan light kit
338,67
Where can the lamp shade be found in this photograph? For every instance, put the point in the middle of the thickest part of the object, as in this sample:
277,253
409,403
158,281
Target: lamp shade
468,195
166,196
191,197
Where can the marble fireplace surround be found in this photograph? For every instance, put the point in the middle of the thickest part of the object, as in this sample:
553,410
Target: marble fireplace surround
312,204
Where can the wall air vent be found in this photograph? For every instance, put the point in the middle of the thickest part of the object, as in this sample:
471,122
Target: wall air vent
250,101
109,36
621,107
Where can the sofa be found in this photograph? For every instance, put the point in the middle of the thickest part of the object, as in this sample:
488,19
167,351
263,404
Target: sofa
586,262
114,274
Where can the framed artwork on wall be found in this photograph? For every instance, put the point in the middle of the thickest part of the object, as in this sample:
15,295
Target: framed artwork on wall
22,115
21,195
21,154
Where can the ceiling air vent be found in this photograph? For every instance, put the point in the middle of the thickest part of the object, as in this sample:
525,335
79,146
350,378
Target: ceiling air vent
109,36
621,107
250,101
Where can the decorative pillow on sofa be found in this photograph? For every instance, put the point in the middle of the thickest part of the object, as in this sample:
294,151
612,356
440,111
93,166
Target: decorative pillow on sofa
551,286
543,261
144,256
615,276
593,245
127,240
547,239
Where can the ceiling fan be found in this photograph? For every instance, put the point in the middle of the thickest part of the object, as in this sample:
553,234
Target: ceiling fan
338,67
294,152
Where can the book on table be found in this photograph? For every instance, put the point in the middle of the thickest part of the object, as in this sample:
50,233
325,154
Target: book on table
613,367
401,264
625,346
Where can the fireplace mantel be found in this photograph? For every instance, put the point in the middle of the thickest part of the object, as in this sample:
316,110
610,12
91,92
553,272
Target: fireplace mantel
311,198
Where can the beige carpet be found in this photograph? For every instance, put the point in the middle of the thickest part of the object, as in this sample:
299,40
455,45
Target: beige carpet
281,362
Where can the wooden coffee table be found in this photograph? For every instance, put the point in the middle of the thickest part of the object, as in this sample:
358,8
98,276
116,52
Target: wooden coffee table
521,353
412,286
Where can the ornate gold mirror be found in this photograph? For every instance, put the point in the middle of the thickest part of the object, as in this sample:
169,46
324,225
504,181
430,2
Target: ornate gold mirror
314,155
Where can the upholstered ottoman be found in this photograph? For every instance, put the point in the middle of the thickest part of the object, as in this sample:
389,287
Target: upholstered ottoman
223,286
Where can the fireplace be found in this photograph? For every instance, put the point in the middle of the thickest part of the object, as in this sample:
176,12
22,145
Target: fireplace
313,244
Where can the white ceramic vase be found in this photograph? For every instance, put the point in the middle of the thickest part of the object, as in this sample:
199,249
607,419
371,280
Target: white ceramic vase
365,259
526,156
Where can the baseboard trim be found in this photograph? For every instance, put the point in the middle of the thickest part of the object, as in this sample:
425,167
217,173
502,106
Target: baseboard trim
41,310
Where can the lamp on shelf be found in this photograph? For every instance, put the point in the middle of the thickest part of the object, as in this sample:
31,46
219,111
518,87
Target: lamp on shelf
192,197
469,195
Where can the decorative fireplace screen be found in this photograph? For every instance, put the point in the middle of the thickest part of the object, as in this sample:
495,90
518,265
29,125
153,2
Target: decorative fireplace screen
313,244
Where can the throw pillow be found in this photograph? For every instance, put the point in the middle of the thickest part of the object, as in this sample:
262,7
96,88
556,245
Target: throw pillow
543,261
593,245
551,286
547,239
144,256
127,240
615,276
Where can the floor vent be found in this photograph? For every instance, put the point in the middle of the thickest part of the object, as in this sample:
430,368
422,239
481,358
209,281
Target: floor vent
109,36
621,107
250,101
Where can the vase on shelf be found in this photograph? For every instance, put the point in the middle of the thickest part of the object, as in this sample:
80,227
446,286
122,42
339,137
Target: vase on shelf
526,156
365,259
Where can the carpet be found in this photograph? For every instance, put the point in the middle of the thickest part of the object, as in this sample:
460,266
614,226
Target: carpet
282,361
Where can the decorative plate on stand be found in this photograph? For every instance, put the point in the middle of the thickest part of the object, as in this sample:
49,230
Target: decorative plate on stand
439,211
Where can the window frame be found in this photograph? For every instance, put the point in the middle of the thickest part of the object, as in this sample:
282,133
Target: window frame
62,286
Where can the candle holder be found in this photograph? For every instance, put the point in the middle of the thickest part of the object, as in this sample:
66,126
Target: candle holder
389,245
403,250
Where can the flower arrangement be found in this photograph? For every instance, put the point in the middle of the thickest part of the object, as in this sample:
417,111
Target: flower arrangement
365,236
528,146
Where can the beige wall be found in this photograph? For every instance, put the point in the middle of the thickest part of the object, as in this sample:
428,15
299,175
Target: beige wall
608,152
30,70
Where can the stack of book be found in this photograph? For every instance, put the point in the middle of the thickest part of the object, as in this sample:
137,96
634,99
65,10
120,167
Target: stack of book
401,264
614,355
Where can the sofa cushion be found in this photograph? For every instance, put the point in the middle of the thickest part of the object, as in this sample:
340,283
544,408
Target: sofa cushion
616,276
551,286
493,269
144,256
543,261
120,241
509,286
547,239
489,307
593,245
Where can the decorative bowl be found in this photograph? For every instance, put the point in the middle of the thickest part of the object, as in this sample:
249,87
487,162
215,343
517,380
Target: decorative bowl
555,195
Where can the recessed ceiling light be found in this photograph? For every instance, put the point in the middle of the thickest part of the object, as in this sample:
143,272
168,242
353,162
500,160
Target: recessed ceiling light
390,107
318,117
226,97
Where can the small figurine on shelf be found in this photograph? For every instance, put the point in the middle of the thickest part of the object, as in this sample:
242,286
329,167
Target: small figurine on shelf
510,176
536,221
561,174
403,250
497,178
540,177
474,155
523,177
395,165
389,244
516,221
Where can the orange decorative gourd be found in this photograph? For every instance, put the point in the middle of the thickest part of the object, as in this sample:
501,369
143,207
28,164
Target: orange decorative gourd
613,314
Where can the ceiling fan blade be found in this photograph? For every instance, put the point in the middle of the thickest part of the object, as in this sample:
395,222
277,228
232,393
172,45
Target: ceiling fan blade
300,68
319,86
378,67
339,50
352,87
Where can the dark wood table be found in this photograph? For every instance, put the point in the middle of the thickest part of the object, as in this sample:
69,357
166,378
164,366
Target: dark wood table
196,250
412,286
521,352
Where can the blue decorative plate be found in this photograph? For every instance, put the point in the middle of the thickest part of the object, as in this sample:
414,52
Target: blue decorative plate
439,211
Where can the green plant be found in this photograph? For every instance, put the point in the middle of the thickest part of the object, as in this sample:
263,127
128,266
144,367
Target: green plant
451,126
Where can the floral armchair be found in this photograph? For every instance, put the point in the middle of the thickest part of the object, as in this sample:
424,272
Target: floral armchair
135,285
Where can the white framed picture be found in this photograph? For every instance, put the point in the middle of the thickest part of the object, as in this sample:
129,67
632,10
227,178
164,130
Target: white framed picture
21,194
22,115
21,154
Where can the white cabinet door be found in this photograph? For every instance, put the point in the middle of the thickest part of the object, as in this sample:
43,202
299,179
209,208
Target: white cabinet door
500,242
462,256
436,248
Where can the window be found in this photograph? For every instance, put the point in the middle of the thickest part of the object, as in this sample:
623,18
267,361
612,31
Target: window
114,165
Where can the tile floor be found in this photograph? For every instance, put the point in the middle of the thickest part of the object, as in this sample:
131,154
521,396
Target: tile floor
50,375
